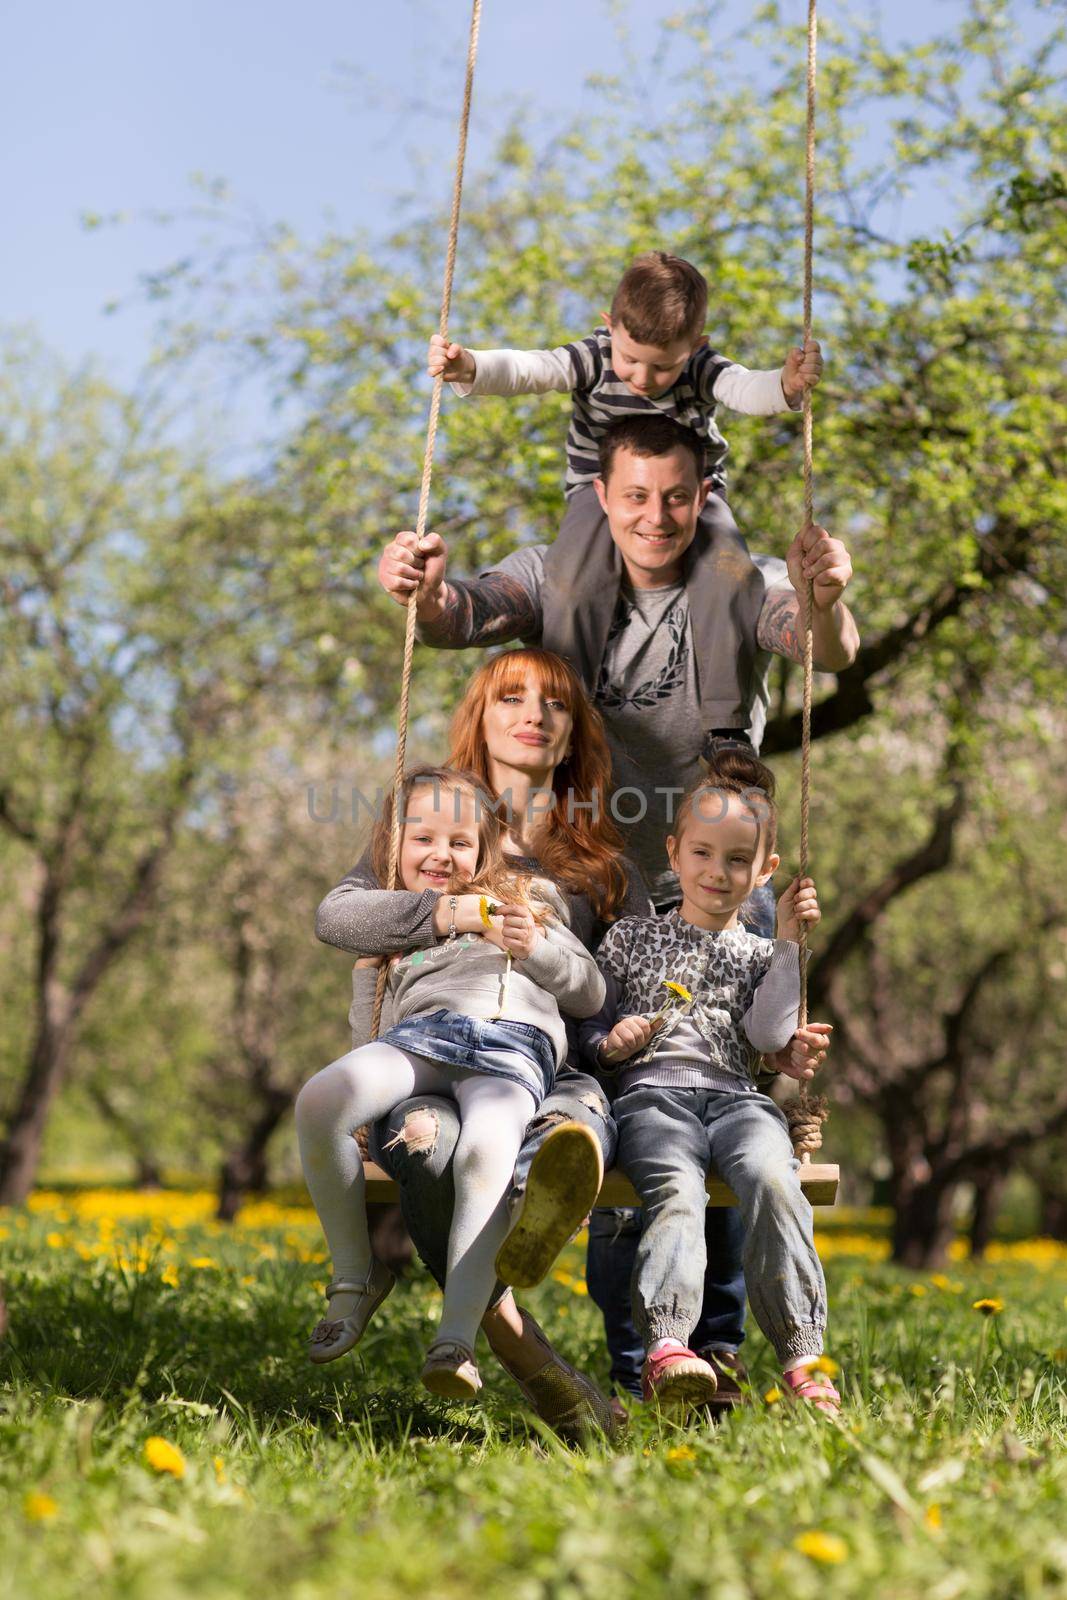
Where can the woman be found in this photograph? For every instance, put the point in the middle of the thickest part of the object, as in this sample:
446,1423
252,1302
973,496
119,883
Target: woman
527,731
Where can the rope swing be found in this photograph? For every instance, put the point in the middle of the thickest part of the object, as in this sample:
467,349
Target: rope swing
424,491
805,1114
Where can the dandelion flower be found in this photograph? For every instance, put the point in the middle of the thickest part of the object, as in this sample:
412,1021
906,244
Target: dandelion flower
204,1263
827,1365
988,1308
932,1518
54,1241
826,1548
917,1289
682,1452
163,1456
169,1276
773,1396
677,988
220,1469
39,1507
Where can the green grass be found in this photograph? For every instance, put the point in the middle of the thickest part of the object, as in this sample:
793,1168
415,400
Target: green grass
947,1478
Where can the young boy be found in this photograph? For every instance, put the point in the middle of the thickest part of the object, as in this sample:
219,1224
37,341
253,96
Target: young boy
651,354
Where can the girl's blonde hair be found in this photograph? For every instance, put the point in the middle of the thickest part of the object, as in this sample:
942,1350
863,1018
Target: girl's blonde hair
578,847
491,875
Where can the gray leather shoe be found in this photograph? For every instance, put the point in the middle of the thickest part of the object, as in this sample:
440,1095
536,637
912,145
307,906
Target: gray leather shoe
336,1337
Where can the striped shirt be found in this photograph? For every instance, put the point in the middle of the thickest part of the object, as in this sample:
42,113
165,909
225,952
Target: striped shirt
584,370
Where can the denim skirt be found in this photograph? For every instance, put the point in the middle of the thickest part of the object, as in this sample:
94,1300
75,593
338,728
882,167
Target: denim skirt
514,1050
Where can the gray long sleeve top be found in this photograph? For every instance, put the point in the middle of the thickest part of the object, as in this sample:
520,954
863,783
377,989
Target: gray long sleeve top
353,917
469,975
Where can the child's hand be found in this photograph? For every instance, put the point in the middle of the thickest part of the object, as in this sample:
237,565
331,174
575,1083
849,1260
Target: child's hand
805,1052
450,361
799,904
519,931
802,370
626,1038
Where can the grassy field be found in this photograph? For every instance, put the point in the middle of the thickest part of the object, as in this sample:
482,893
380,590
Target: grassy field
161,1434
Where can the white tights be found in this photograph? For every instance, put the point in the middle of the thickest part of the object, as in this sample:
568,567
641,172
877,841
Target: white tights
359,1088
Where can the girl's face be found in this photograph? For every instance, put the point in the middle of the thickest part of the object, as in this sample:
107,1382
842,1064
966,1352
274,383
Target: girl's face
719,858
440,838
527,729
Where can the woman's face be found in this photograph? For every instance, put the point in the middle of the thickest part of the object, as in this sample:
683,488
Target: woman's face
527,729
440,838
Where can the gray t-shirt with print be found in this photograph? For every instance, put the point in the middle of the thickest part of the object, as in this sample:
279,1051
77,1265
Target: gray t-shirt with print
646,692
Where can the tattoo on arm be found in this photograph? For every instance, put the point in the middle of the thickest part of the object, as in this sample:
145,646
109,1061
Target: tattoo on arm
779,624
489,610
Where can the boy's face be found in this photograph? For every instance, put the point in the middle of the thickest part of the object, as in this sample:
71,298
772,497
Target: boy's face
647,369
719,858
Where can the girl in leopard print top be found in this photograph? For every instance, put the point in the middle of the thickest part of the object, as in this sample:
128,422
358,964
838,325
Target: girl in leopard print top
693,999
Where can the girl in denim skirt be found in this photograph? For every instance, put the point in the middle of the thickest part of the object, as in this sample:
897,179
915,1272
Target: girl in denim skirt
475,1017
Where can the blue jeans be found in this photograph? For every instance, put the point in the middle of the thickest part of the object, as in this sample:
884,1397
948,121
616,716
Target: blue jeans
668,1138
614,1236
416,1141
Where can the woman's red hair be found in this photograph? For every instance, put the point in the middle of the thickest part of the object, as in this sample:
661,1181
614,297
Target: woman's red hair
578,847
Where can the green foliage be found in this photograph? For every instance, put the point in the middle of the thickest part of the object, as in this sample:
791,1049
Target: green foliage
946,1477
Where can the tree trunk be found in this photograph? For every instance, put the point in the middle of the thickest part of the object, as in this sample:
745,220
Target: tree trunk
244,1171
988,1192
1053,1223
922,1224
20,1153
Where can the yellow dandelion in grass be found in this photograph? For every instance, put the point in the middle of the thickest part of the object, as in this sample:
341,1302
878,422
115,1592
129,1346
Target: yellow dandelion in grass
682,1452
162,1456
826,1548
54,1241
825,1364
220,1469
204,1264
773,1396
932,1518
169,1276
39,1507
988,1308
579,1286
917,1289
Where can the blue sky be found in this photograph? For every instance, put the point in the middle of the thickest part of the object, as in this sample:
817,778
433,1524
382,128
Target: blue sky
322,108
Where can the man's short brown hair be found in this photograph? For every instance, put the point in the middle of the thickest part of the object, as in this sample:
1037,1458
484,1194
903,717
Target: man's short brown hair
661,299
649,433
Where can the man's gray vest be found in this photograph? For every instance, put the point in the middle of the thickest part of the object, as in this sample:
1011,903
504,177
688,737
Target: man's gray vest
583,573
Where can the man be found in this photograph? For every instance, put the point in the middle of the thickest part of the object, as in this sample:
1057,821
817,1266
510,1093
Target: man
672,628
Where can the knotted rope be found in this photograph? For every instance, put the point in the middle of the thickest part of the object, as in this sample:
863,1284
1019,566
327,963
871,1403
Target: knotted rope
427,471
806,1114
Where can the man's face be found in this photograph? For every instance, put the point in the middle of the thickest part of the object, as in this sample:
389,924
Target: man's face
652,504
648,369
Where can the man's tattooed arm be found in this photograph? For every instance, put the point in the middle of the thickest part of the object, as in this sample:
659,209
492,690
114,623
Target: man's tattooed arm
779,629
487,610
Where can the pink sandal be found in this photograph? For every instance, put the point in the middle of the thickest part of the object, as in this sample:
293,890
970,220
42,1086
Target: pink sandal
814,1387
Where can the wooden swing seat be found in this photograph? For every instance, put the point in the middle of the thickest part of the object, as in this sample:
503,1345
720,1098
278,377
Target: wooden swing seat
818,1181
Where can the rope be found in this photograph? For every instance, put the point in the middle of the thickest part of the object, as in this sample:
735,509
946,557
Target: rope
427,471
809,502
806,1113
